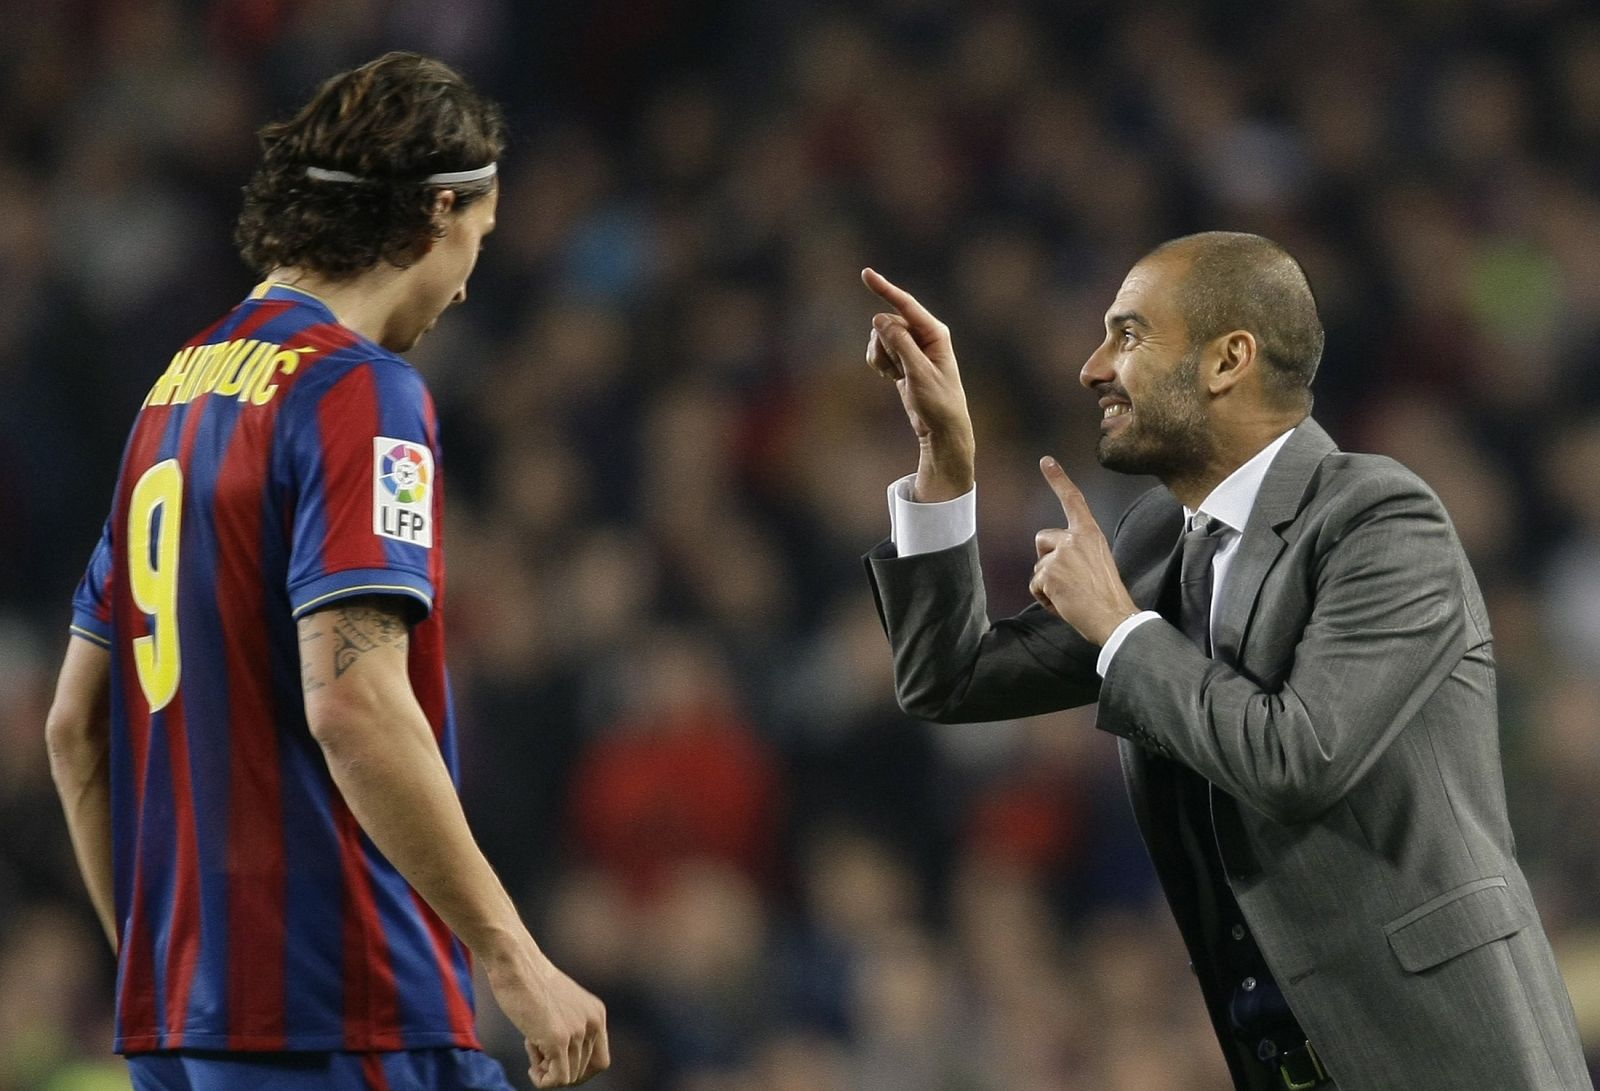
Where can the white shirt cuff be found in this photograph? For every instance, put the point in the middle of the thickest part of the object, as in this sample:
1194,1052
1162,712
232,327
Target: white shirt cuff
1118,635
927,528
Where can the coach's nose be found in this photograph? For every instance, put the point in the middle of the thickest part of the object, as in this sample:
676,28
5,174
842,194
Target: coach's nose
1097,368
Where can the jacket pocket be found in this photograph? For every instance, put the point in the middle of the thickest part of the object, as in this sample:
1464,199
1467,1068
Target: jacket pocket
1455,922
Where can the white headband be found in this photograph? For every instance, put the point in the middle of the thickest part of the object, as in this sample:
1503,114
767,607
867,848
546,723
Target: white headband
449,177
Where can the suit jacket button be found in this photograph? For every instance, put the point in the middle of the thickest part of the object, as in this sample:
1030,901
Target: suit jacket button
1238,931
1248,984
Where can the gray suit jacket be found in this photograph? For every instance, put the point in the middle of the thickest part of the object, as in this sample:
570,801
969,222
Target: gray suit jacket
1349,710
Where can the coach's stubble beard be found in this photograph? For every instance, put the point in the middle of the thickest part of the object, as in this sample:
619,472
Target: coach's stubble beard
1168,436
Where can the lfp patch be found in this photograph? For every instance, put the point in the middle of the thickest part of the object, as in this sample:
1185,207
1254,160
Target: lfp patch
402,481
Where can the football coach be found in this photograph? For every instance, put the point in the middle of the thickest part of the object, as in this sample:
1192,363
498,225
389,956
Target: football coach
1295,654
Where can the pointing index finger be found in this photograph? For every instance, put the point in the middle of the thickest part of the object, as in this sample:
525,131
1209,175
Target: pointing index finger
898,298
1073,505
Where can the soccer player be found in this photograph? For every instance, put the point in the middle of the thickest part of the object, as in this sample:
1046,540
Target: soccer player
252,731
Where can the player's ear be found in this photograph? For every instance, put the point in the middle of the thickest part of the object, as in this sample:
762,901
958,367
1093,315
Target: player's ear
444,202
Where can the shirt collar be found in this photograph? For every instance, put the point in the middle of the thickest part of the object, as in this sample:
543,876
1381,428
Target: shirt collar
1231,502
278,290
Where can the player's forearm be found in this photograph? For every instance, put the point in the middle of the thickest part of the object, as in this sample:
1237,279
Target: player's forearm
383,756
86,798
77,736
387,767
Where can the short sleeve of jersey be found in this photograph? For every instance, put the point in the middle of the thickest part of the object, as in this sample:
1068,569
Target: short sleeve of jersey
361,456
91,603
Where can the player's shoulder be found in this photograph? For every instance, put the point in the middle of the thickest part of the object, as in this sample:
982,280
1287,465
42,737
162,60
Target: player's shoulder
340,360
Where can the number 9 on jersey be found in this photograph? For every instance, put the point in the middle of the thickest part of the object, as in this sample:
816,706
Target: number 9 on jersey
153,577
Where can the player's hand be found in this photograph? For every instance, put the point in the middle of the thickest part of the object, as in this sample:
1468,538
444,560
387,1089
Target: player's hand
1076,578
912,348
563,1025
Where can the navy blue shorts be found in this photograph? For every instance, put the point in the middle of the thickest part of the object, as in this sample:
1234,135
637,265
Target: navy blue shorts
401,1070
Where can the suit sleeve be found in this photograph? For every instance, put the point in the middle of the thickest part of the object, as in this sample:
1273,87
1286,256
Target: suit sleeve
363,461
1387,626
951,665
91,603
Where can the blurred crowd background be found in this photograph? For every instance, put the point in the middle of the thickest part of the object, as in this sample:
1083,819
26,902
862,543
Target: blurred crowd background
665,455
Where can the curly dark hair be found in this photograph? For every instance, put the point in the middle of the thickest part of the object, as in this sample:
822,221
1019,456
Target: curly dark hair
392,123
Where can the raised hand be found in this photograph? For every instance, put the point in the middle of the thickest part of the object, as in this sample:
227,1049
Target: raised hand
912,347
1076,578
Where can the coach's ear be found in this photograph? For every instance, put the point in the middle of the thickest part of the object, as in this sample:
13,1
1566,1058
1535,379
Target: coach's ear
1228,359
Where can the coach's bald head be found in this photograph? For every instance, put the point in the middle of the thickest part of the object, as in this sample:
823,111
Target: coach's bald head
1236,281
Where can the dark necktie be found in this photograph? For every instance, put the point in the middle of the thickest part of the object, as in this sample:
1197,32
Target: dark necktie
1257,1008
1200,547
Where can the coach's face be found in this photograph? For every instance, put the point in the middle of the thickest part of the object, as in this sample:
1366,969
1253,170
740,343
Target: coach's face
1153,415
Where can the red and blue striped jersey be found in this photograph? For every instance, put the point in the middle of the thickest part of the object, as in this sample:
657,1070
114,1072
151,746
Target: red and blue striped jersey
281,463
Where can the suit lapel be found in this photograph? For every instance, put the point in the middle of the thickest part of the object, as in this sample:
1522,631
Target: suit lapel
1278,502
1152,589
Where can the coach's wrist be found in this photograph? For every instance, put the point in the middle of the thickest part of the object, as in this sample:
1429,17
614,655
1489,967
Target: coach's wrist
944,470
1100,628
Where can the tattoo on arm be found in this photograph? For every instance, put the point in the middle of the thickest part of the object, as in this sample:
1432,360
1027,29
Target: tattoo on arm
310,675
359,627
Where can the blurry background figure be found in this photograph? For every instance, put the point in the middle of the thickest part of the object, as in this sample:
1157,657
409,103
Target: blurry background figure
665,458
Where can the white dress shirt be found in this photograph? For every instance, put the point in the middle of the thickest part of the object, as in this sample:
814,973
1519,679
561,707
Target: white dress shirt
926,528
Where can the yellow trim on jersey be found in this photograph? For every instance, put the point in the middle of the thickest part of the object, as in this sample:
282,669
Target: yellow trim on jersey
266,286
346,592
91,637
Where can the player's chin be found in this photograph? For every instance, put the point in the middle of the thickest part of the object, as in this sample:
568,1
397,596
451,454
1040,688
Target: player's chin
411,340
425,330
